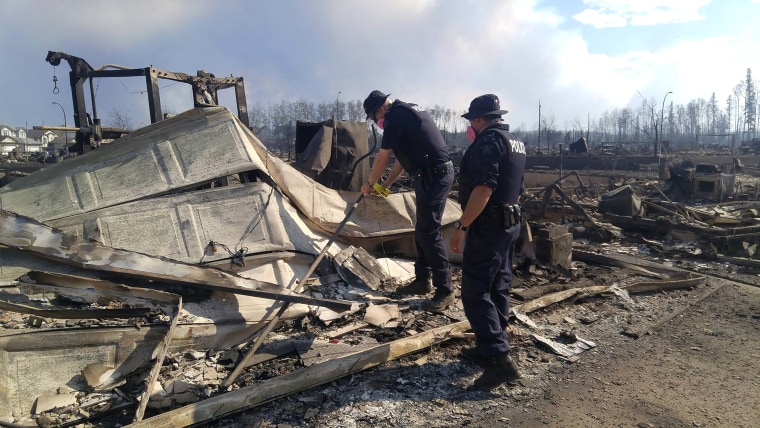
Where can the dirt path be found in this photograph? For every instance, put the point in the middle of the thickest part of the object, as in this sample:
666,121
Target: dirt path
701,369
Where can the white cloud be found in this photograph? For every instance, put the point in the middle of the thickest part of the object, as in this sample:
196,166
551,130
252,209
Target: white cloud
611,13
598,19
105,23
428,52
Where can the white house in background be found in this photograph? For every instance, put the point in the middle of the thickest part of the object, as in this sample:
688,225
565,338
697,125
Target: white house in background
26,140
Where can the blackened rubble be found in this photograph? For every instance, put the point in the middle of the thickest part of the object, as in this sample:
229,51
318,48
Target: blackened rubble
586,289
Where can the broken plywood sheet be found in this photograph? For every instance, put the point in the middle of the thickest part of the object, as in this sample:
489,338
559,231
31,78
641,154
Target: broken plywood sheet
384,316
191,148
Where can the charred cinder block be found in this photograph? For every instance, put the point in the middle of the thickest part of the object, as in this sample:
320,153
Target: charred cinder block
554,245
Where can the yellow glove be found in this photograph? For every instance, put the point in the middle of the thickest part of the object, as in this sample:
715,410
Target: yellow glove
381,190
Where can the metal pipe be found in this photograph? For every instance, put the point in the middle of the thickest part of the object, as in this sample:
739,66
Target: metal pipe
56,128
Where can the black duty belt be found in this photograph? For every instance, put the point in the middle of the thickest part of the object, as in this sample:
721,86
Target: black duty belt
443,168
500,216
439,170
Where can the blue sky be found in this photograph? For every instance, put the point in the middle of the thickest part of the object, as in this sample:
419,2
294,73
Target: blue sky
578,57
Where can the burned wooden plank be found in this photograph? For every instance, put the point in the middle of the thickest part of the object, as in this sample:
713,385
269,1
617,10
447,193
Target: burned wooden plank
535,292
754,264
91,290
664,226
27,234
606,260
637,332
560,296
674,284
75,314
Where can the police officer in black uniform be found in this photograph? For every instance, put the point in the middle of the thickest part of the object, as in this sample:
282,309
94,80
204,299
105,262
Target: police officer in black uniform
491,181
412,136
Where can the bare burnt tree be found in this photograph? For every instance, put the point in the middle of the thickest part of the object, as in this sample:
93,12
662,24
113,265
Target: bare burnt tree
549,129
355,111
325,110
119,118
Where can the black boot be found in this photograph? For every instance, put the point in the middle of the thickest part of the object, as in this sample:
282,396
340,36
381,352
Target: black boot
419,286
499,369
473,354
440,301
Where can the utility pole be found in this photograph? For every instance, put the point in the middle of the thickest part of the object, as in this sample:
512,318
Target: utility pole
337,106
539,127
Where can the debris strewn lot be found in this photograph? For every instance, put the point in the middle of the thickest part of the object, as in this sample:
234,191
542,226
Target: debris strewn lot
631,307
709,345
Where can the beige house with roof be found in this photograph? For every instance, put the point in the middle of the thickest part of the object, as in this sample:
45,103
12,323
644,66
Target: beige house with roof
28,140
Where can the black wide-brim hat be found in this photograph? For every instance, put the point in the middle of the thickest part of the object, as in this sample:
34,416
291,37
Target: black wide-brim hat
484,105
374,101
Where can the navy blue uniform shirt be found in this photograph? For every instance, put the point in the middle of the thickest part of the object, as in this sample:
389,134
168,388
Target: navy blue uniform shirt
411,133
497,159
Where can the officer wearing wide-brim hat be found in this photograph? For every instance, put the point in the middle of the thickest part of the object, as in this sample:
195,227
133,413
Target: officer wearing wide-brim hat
484,106
490,185
411,134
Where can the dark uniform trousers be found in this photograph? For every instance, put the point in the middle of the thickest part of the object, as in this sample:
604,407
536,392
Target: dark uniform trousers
486,279
431,192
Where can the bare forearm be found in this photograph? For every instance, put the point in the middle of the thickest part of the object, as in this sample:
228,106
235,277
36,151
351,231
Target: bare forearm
394,174
378,168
